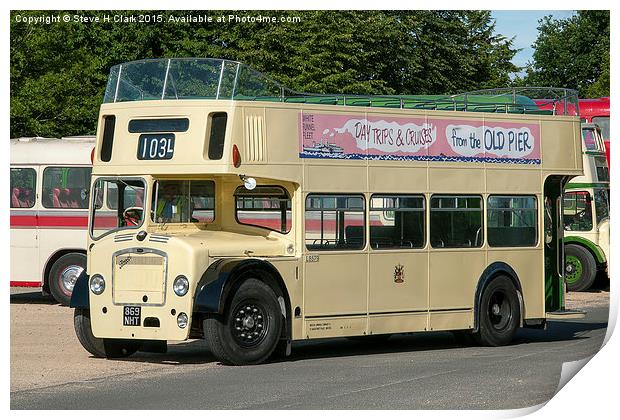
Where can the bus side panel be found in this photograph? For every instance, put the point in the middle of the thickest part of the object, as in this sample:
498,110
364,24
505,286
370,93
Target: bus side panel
454,275
294,287
528,265
25,260
59,230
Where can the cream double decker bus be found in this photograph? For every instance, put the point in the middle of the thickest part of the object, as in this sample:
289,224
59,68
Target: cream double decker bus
586,215
270,216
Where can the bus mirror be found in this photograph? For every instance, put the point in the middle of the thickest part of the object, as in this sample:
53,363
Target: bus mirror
248,182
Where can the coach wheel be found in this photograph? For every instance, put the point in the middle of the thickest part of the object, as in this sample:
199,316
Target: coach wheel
100,347
498,313
579,268
249,330
63,275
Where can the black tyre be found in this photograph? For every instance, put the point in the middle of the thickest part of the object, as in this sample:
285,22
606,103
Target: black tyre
100,347
249,330
499,313
63,274
579,268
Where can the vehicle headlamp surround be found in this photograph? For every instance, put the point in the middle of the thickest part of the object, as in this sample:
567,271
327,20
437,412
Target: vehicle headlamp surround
97,284
180,285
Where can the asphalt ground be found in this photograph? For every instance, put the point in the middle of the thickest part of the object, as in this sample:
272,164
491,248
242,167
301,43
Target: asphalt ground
50,370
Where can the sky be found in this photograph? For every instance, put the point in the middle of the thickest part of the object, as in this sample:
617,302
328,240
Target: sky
523,24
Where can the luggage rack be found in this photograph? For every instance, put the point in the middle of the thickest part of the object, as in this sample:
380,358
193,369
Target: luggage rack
210,78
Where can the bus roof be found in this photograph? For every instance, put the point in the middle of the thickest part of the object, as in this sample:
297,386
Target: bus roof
598,107
73,150
210,78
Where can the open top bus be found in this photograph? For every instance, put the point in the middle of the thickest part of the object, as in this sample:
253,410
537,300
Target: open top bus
269,216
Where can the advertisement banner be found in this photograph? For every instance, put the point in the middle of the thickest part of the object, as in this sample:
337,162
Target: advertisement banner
333,136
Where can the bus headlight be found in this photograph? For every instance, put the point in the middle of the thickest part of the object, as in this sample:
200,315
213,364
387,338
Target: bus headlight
182,320
180,286
97,284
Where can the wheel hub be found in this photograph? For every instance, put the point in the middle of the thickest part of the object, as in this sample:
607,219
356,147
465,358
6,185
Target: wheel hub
69,276
499,311
572,269
249,325
495,309
248,322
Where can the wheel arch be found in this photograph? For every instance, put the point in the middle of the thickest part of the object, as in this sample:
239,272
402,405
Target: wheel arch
488,275
589,246
219,282
47,268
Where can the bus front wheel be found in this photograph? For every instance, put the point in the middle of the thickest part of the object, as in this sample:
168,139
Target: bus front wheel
63,275
100,347
249,330
579,268
498,314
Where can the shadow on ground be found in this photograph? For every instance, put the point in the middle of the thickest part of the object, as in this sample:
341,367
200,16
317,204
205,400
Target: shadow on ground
30,296
197,352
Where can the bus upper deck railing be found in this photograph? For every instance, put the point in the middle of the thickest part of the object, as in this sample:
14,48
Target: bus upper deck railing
209,78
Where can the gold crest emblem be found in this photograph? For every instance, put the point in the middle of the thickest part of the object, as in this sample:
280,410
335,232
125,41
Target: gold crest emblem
399,274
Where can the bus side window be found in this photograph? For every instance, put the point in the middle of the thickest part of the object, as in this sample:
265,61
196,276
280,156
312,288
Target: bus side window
66,187
456,221
334,222
23,184
396,221
265,206
512,221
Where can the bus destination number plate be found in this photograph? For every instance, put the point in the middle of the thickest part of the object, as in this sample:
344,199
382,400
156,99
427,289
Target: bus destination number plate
155,146
131,316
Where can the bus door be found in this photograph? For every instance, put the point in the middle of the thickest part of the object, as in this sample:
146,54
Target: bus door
25,259
336,265
554,249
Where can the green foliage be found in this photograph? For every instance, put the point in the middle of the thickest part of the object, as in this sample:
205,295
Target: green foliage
573,53
59,71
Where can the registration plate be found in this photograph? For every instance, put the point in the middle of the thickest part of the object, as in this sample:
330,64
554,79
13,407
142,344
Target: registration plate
131,316
156,146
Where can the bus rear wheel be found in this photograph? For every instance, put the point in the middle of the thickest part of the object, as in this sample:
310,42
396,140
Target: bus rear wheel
248,331
579,268
498,314
100,347
63,274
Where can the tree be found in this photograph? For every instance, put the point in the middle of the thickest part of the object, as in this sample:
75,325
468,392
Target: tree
59,71
573,53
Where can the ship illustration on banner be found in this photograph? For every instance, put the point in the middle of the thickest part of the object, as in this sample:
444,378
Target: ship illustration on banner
329,136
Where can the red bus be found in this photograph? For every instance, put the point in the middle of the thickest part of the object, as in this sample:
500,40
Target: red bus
596,111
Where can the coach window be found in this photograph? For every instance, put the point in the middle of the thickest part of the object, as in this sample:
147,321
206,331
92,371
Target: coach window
334,222
578,211
456,221
264,206
511,221
65,187
396,221
23,182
